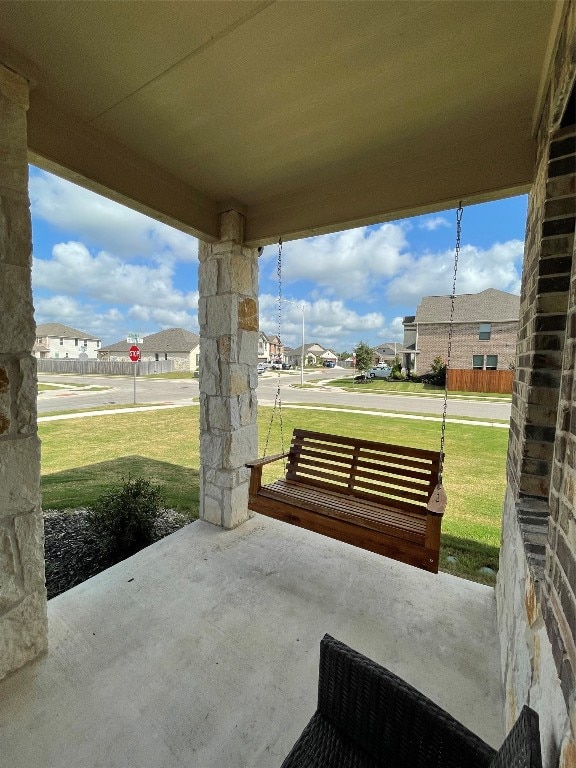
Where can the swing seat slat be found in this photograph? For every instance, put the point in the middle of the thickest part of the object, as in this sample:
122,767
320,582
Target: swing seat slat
369,494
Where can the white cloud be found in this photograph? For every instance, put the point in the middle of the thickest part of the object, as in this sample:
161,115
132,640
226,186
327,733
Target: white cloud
432,274
433,223
348,264
329,322
165,318
108,324
106,278
104,223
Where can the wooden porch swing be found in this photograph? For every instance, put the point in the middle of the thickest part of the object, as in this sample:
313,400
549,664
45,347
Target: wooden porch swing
384,498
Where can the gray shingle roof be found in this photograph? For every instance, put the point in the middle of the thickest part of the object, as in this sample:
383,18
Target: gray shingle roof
169,340
64,331
308,347
489,306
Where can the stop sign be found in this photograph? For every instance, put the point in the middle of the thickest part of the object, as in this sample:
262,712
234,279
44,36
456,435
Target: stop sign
134,353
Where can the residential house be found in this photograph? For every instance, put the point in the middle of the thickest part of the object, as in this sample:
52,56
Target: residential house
409,352
263,348
220,120
176,344
270,348
275,349
59,341
314,354
485,328
388,352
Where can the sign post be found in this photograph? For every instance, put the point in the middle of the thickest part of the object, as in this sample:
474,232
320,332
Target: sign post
134,354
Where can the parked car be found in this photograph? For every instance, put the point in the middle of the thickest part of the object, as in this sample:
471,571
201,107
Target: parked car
380,372
262,367
286,366
329,364
276,366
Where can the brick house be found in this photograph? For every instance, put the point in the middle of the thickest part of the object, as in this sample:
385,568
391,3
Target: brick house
270,348
54,340
176,344
484,332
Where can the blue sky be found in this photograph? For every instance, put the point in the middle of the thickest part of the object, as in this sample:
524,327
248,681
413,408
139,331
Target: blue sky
107,270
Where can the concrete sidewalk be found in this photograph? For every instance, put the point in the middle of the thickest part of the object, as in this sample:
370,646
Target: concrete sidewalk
383,414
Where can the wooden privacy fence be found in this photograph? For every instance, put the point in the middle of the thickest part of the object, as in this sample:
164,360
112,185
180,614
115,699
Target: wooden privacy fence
480,381
110,367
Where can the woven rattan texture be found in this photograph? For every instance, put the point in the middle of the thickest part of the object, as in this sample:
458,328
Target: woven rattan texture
367,717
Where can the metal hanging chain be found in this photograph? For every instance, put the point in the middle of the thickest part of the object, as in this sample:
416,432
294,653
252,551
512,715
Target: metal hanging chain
278,399
459,213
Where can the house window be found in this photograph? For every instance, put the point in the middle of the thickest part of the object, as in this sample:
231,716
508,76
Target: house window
485,330
98,344
485,362
165,355
75,342
61,342
156,356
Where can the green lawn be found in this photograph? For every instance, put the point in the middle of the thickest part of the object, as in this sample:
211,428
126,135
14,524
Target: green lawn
83,457
47,387
410,388
170,375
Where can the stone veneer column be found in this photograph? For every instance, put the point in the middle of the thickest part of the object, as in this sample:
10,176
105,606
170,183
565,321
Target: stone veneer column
23,622
228,318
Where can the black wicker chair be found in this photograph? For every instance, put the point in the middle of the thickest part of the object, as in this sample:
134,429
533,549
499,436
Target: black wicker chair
368,717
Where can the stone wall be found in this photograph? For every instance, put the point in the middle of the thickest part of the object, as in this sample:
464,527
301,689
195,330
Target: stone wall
432,340
23,624
536,590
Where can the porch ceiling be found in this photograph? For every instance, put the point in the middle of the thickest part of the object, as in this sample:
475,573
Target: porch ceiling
307,116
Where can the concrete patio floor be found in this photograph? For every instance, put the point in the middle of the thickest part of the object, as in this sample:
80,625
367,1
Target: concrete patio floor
202,650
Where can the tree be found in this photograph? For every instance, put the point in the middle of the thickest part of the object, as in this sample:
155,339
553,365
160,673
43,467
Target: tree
364,356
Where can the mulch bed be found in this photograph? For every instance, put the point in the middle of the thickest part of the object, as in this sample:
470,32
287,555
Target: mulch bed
75,553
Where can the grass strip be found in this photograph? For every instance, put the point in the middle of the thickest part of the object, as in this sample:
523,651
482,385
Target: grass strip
397,414
412,388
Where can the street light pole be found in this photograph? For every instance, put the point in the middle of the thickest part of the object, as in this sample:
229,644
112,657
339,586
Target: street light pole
302,308
302,361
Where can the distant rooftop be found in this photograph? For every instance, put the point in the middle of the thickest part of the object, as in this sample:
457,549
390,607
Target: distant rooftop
490,305
169,340
64,331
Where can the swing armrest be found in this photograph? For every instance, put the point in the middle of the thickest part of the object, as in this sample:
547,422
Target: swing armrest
266,460
256,467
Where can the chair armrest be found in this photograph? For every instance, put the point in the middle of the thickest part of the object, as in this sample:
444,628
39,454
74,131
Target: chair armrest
389,719
266,460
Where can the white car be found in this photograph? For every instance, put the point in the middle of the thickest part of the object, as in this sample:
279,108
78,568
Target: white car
380,372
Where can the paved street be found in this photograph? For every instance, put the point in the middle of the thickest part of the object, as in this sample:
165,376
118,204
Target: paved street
120,391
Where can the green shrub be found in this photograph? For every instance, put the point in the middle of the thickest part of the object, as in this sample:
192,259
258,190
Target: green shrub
437,373
124,517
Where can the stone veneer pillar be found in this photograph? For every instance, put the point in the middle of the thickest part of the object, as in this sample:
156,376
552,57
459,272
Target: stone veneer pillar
23,622
228,318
